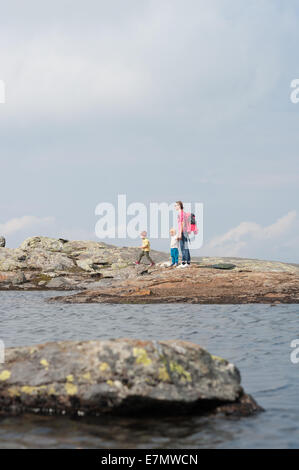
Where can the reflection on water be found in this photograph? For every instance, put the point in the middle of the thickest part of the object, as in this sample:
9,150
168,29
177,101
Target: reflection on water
255,337
42,431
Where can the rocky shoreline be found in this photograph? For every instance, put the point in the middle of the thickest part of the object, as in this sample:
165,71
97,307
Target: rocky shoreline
121,377
195,285
126,376
106,273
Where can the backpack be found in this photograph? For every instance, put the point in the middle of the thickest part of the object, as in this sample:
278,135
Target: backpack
189,223
192,223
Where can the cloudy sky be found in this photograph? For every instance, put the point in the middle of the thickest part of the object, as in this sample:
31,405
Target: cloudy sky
158,100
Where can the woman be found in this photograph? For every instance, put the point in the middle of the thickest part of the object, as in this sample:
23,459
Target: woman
183,234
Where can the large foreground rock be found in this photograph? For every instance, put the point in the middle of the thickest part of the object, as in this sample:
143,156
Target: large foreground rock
120,376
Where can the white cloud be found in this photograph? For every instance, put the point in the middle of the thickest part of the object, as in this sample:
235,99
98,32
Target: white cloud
18,224
249,236
279,228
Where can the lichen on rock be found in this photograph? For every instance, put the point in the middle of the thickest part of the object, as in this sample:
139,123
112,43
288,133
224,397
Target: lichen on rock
119,376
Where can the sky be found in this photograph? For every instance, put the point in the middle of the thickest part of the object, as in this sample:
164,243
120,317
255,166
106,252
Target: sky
160,101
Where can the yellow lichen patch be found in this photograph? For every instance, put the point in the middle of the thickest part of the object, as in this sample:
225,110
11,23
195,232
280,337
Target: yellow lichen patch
175,367
14,392
87,377
71,389
104,366
44,363
110,382
70,378
141,356
5,375
29,390
51,390
218,358
163,374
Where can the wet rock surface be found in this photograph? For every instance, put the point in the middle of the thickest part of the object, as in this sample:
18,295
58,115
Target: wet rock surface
121,376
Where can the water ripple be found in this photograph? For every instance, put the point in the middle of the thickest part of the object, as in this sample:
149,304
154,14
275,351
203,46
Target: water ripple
255,337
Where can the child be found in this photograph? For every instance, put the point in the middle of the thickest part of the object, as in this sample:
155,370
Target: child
145,249
174,247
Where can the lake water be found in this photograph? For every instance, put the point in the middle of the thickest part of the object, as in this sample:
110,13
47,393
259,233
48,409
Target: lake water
254,337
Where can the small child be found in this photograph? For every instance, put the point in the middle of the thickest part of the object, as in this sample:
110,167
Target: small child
145,249
174,247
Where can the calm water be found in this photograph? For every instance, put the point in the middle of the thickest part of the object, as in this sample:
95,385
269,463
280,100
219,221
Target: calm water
255,337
